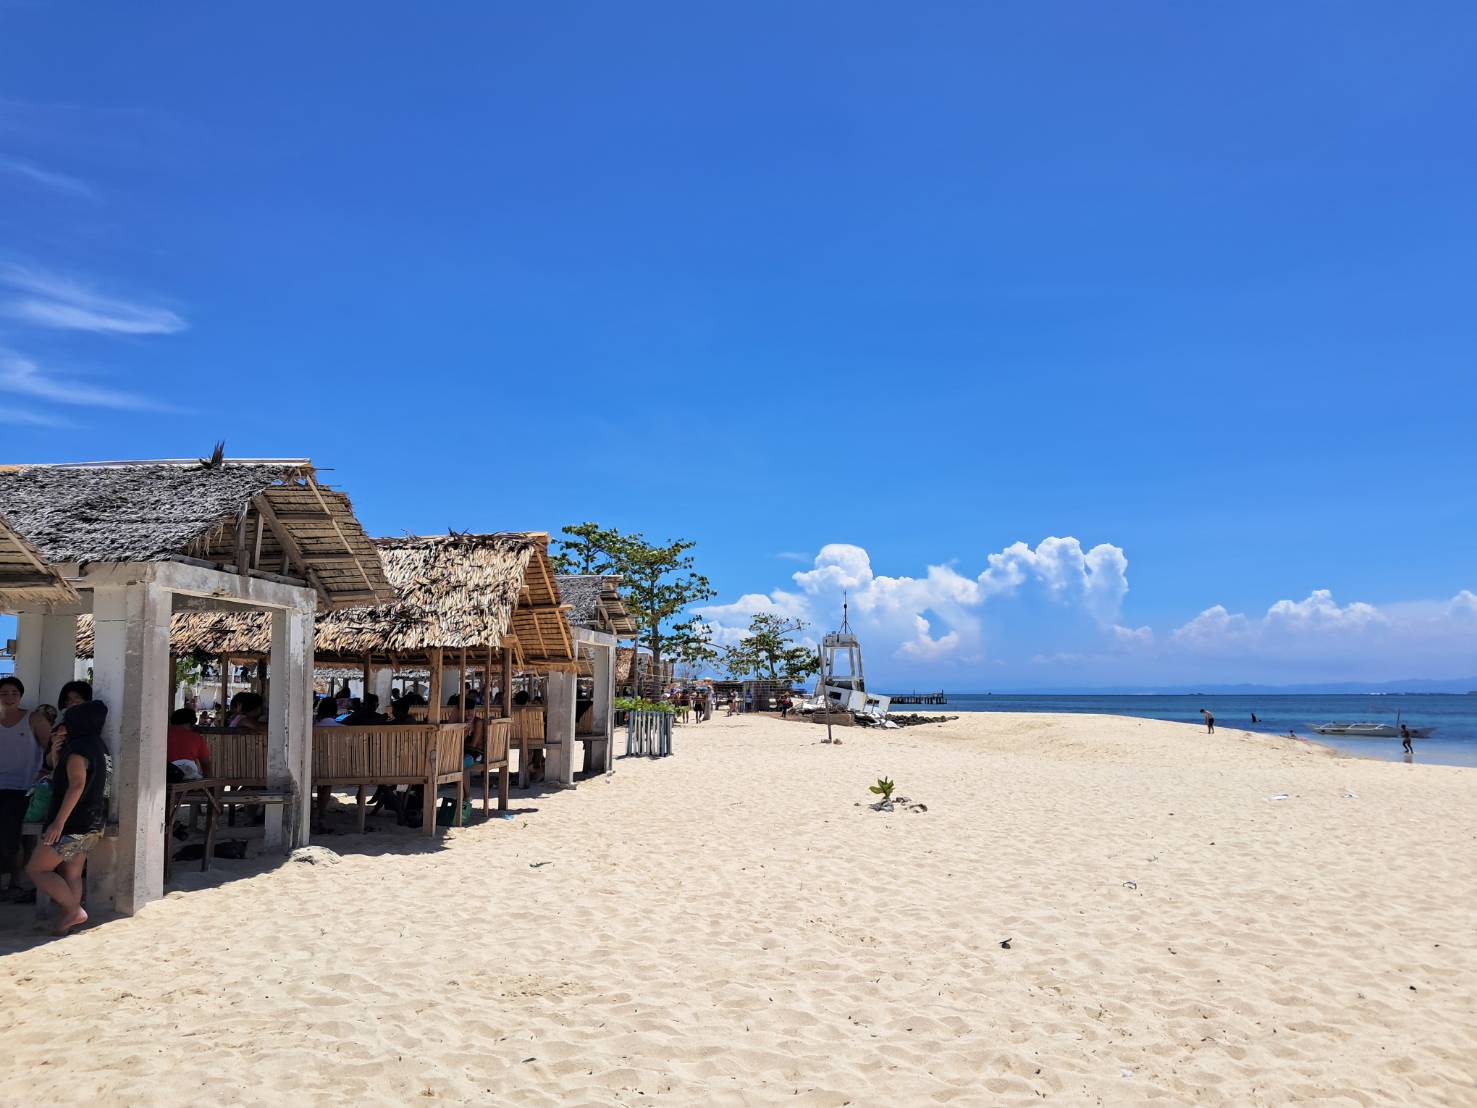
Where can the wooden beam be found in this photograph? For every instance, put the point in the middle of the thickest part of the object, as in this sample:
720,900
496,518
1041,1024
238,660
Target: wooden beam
256,553
241,566
433,712
289,544
329,513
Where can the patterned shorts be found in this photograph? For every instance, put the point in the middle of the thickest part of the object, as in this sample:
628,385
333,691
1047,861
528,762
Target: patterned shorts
70,846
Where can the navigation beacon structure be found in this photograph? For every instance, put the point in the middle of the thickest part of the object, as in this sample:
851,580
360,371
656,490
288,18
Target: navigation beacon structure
846,690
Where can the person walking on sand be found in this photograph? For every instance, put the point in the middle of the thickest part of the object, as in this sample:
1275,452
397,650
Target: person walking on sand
79,811
1209,721
1405,739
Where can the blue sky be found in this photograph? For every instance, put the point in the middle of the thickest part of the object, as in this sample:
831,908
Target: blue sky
1190,285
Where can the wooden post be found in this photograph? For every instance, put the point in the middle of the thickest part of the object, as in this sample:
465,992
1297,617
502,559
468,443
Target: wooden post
461,690
225,689
433,712
368,676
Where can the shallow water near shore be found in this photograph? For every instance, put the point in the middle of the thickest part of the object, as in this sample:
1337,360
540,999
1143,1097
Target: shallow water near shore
1453,743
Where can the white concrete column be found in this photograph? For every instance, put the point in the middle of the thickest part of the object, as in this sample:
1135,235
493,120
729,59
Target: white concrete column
131,676
290,727
602,659
46,654
559,709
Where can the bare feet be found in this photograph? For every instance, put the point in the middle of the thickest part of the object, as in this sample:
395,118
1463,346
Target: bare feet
71,920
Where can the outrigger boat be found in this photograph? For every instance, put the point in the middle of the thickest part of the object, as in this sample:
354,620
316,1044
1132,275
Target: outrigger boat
1369,730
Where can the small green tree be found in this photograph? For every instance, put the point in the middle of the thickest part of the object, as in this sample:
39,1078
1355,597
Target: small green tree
691,643
767,651
658,578
883,788
585,549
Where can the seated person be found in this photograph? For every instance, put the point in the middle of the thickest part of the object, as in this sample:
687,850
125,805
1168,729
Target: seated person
401,709
327,714
184,744
247,709
368,713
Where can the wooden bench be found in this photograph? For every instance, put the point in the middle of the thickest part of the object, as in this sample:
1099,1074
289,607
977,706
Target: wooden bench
528,733
429,754
499,733
210,793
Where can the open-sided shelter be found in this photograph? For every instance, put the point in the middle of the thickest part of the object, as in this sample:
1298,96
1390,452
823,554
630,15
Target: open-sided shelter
132,544
463,604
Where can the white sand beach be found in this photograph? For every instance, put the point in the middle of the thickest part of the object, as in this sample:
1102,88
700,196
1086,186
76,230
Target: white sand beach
728,926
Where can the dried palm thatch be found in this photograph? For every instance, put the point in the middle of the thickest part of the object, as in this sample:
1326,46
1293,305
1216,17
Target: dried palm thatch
455,592
25,573
260,518
595,602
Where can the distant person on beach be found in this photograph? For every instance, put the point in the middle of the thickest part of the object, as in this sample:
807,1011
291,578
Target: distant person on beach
1405,739
1209,721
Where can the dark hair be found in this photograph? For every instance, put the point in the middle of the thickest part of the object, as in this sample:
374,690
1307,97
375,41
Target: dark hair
371,701
327,708
248,701
81,688
184,715
12,679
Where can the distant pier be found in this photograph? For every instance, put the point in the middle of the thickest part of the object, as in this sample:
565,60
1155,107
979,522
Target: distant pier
920,698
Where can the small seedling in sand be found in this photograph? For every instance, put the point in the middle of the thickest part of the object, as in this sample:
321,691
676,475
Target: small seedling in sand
883,788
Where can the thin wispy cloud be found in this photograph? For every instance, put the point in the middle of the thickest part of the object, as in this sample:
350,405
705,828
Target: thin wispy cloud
15,417
46,300
20,377
46,178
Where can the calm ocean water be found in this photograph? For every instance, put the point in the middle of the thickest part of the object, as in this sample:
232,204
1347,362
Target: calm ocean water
1453,743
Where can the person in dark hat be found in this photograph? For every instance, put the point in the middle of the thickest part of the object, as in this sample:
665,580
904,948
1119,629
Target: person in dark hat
80,786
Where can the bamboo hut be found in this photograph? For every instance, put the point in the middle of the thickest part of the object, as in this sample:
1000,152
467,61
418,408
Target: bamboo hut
130,545
465,606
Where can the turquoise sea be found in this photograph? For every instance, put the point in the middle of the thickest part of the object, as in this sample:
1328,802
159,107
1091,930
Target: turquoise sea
1454,741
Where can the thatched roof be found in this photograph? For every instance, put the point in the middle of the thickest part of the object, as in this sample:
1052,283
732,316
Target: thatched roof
27,575
595,602
455,592
262,518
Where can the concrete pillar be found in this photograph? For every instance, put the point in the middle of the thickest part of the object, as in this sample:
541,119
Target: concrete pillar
290,728
131,676
46,654
602,659
560,749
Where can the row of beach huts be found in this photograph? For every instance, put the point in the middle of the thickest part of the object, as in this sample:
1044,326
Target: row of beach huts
130,566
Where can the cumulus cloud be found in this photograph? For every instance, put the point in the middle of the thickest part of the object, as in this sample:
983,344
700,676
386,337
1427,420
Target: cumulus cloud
939,614
1316,616
46,300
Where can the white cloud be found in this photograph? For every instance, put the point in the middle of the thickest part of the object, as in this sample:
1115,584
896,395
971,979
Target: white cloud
938,615
58,302
921,645
46,178
1134,637
1287,622
1463,605
21,377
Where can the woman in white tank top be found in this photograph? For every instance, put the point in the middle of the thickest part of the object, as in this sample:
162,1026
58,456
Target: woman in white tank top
24,736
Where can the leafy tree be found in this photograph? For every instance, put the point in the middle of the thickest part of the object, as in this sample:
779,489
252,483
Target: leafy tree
657,577
691,643
767,651
586,549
